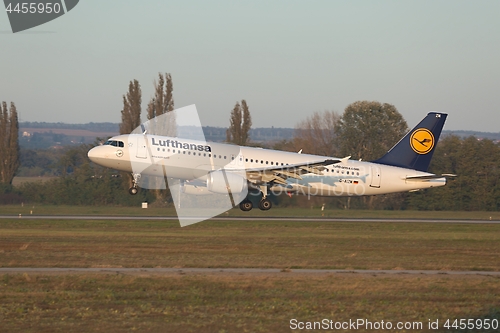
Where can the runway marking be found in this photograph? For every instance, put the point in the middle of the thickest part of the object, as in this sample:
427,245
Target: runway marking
119,270
239,218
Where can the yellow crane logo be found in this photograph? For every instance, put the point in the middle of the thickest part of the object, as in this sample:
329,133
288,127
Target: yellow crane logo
422,141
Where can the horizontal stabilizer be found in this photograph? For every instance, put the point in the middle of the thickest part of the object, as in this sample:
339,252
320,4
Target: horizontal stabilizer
428,177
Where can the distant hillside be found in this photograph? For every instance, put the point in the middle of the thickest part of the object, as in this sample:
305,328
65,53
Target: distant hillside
41,135
36,135
479,135
92,127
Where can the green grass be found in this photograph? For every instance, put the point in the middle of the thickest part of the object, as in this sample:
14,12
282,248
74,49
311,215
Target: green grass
157,243
195,302
234,303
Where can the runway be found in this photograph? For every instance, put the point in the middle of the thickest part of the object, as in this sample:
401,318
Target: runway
243,219
237,271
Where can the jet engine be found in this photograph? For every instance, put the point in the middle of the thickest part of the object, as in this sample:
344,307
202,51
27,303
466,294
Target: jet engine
195,190
223,181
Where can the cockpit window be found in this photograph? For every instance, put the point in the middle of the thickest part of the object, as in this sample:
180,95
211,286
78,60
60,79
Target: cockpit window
114,143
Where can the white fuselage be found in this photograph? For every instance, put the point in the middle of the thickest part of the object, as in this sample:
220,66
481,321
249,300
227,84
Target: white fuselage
188,159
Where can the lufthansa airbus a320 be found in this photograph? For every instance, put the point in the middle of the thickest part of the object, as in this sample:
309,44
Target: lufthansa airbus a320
215,168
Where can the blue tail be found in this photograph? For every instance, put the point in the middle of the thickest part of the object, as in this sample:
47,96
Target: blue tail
415,150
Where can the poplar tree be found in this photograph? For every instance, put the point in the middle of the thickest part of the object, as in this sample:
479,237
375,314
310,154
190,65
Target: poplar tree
160,104
9,143
240,123
131,112
163,101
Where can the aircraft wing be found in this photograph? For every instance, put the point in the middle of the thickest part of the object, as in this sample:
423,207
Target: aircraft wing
279,174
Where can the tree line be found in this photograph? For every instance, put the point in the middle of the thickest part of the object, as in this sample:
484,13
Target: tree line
365,130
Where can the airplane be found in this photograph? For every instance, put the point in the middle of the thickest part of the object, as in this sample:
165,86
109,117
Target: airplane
205,168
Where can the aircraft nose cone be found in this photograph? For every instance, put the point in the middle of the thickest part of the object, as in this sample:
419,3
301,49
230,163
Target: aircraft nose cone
93,154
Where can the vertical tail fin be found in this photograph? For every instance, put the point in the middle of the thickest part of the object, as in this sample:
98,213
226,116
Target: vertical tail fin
415,149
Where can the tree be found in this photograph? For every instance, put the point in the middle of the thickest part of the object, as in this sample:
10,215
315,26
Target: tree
131,113
160,104
240,123
477,185
163,101
9,143
316,134
368,130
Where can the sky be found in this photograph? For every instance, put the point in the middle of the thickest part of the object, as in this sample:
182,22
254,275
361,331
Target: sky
287,59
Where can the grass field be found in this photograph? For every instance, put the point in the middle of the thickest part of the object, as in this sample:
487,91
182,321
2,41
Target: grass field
241,303
103,243
232,303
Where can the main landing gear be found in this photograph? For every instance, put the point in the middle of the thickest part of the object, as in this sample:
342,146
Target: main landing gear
264,204
134,189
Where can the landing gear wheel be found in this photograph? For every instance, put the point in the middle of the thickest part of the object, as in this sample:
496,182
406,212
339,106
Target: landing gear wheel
133,190
246,205
265,204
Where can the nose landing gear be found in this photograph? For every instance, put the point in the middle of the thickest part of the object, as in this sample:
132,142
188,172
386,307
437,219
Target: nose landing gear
134,189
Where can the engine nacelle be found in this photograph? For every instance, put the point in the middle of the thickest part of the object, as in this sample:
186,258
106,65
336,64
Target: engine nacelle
195,190
216,182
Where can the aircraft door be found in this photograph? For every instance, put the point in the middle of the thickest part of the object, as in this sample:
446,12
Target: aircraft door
376,175
142,149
